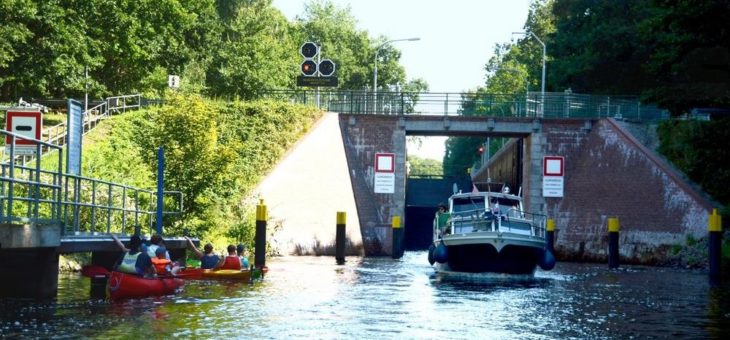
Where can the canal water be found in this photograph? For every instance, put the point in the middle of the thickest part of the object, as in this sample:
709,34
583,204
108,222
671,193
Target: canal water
381,298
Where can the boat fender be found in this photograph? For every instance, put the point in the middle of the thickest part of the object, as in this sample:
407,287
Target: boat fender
431,250
441,254
547,260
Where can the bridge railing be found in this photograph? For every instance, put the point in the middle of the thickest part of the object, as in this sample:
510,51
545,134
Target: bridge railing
81,205
531,104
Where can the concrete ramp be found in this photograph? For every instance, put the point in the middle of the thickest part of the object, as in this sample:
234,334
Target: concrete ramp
307,189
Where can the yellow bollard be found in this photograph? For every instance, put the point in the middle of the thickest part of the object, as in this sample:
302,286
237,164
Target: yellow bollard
613,256
550,228
260,238
397,238
340,237
714,228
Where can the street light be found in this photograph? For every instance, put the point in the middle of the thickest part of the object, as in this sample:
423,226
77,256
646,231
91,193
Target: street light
542,83
375,74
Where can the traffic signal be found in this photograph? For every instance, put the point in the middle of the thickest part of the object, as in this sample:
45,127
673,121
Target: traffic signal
326,68
309,50
309,68
481,150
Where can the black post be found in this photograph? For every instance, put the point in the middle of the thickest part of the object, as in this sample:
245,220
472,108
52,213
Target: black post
550,228
613,229
397,238
714,227
260,243
340,238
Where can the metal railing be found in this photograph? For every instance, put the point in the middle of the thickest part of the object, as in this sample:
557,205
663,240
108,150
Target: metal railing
531,104
77,203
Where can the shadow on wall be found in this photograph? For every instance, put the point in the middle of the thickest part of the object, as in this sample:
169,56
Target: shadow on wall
319,248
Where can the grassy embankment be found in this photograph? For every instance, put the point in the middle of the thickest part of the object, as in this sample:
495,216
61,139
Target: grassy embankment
215,153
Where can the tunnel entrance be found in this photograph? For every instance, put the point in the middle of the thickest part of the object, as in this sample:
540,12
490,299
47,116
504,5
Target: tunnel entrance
423,194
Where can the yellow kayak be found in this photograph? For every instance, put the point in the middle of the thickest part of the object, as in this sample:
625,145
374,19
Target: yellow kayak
227,274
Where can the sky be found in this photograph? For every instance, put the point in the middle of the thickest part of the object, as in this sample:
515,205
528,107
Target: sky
457,38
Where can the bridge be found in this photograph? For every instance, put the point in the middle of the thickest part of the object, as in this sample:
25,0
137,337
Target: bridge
41,209
609,172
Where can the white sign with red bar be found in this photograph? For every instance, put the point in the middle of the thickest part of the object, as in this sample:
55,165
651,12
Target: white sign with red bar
24,122
553,169
384,181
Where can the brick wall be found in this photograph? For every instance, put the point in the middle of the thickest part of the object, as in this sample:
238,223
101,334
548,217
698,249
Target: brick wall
364,136
608,173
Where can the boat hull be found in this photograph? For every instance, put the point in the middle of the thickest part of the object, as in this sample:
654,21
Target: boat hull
124,286
209,274
484,258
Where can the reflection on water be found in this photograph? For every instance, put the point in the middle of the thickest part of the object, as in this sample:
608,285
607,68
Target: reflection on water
379,297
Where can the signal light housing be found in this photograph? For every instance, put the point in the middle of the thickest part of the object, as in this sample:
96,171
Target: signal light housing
326,68
309,68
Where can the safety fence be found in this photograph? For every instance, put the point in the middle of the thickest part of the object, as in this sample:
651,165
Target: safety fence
564,105
44,194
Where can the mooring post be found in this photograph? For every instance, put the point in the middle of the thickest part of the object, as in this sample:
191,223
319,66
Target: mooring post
613,227
397,238
340,237
160,185
260,244
714,227
550,228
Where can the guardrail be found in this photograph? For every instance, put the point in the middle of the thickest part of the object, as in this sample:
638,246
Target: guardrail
532,104
38,195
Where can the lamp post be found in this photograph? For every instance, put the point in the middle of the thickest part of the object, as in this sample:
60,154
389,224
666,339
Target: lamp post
375,73
542,83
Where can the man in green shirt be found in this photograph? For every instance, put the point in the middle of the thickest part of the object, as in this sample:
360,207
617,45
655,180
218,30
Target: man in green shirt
442,220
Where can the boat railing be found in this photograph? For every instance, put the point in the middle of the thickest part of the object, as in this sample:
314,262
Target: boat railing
479,220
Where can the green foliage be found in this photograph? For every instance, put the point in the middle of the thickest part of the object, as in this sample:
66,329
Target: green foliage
215,153
257,53
700,150
424,167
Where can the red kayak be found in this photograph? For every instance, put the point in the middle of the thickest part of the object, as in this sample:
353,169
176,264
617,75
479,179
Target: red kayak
122,286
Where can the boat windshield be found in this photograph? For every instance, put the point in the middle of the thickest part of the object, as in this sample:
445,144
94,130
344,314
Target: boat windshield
465,204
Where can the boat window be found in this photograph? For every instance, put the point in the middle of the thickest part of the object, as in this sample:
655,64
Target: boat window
467,204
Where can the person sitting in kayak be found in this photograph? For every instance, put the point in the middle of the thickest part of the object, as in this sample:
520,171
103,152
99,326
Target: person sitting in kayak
156,242
207,260
232,261
240,252
163,266
134,260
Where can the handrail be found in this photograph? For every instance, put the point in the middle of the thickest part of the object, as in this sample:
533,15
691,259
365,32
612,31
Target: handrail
554,105
74,202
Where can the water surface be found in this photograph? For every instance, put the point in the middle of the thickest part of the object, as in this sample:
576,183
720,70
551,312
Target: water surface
311,297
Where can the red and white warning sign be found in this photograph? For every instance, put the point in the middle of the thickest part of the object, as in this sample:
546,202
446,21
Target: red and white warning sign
24,122
553,169
384,181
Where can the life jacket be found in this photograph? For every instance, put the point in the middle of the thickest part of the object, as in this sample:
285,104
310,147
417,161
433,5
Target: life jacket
231,262
129,263
160,265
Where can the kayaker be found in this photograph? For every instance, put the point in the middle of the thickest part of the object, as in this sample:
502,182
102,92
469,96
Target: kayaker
240,249
163,266
207,260
156,241
134,260
232,261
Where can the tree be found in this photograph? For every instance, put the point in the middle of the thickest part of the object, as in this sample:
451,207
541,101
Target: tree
424,167
258,53
690,56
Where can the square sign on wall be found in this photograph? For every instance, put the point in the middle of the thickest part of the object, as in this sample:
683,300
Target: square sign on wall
384,181
553,168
